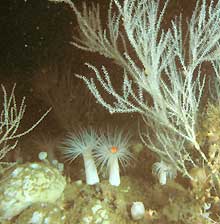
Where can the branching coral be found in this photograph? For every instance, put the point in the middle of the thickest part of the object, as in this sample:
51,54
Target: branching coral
168,70
11,115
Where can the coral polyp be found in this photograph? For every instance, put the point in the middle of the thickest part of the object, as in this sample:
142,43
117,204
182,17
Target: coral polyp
113,149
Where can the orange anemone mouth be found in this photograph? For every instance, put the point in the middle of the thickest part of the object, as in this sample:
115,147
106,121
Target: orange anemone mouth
114,149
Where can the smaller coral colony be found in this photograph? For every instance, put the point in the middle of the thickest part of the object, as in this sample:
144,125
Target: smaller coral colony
106,150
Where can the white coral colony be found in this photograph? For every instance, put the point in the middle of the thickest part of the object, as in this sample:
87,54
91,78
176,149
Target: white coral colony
82,144
112,150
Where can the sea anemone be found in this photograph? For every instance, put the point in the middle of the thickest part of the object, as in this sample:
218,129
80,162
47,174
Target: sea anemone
82,143
164,171
112,149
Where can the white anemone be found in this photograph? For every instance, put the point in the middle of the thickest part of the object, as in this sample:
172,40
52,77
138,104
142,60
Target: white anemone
82,143
164,171
112,150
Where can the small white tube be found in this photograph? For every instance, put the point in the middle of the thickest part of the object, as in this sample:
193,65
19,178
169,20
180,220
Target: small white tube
114,175
90,169
137,210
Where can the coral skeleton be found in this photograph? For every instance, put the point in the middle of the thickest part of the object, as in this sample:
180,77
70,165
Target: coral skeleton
83,143
112,150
